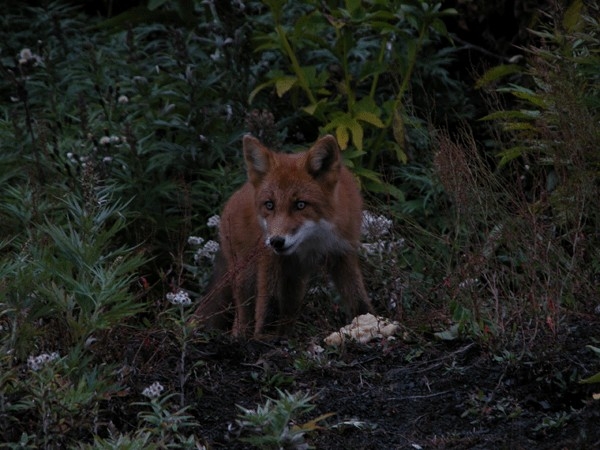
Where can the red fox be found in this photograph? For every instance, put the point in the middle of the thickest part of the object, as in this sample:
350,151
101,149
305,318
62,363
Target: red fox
295,213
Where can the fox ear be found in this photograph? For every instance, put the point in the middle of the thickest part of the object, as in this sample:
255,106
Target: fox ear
324,157
258,158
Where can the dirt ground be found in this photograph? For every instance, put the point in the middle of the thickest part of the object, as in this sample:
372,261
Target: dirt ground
416,393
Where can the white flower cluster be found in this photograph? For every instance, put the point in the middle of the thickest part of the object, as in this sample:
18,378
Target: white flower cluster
373,229
373,226
154,390
179,298
206,251
108,140
195,240
382,247
35,363
469,282
213,221
26,56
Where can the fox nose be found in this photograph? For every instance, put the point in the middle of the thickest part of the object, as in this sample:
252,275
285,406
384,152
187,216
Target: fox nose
277,242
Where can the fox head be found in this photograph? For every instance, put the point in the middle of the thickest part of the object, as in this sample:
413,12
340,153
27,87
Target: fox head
295,195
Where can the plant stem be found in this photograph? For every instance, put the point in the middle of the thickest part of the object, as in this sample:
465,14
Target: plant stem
295,64
399,96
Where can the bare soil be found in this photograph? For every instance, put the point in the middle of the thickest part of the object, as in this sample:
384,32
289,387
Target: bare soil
409,393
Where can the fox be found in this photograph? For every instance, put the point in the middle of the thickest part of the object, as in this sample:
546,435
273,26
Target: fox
295,213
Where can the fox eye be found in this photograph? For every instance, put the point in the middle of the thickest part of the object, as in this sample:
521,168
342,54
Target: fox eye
269,205
300,204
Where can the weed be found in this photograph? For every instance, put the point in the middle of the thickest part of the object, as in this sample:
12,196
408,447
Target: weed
274,424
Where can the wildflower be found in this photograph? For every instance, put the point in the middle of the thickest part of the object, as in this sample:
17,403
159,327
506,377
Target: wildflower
72,157
26,56
468,283
179,298
374,248
382,247
375,226
154,390
195,240
207,252
105,140
213,221
35,363
123,99
107,159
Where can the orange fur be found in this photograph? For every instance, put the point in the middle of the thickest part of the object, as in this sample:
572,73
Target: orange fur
295,212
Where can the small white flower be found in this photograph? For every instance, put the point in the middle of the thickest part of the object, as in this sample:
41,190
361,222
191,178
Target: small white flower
213,221
72,157
468,283
179,298
25,55
35,363
154,390
195,240
105,140
207,252
123,99
107,159
375,226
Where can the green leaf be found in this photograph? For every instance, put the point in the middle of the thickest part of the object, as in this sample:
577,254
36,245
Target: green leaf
518,126
369,118
531,97
351,153
495,73
153,4
512,115
342,136
593,379
342,124
440,27
310,109
257,89
401,155
398,128
509,154
379,187
572,18
357,134
283,85
368,174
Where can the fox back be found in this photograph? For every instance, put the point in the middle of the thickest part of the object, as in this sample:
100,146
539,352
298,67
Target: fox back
295,212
